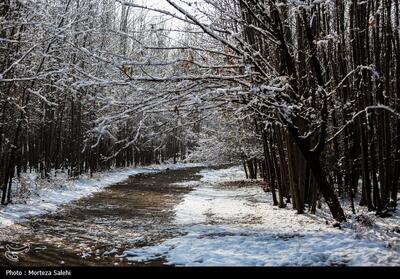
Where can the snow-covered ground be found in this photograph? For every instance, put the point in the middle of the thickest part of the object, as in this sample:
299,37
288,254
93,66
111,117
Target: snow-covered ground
232,226
34,196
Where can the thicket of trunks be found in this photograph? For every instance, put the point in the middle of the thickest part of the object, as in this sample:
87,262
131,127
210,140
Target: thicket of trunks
351,51
47,121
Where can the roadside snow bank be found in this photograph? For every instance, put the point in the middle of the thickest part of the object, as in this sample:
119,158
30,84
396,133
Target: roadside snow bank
42,196
231,226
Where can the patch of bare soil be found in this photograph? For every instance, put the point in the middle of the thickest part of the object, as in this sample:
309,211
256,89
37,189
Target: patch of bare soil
242,183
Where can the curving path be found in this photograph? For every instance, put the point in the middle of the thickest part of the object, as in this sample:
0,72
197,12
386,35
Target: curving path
91,231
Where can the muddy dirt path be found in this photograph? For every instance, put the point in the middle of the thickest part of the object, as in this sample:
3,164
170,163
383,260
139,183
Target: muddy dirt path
93,230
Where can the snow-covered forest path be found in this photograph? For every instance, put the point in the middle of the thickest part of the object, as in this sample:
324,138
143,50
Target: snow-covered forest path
198,216
93,230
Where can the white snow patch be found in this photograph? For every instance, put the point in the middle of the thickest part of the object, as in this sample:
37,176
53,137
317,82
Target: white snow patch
222,175
188,184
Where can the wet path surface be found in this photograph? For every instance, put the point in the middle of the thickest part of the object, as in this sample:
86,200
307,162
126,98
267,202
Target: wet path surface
92,231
